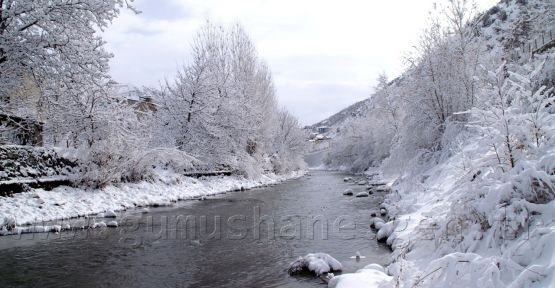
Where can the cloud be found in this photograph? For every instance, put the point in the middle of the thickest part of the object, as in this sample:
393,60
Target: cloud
324,54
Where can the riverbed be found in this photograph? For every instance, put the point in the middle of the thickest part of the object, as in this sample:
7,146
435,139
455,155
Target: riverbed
239,239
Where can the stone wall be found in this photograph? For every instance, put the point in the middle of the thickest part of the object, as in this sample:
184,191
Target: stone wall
23,167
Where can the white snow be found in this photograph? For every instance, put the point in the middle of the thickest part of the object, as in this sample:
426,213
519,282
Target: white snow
66,202
377,223
318,263
113,224
386,230
371,276
433,250
110,214
348,192
100,224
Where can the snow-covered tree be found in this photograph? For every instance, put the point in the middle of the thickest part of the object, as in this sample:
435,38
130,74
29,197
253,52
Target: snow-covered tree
222,104
54,46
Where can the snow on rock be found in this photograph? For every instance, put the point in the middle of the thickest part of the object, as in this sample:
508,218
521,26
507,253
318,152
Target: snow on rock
376,223
112,224
37,229
385,231
21,162
110,214
347,179
374,266
348,192
362,194
371,276
68,202
100,224
318,263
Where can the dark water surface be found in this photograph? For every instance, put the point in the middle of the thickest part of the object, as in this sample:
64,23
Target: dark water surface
210,243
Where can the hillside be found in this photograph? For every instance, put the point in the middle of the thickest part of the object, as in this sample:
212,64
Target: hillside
502,30
466,144
341,118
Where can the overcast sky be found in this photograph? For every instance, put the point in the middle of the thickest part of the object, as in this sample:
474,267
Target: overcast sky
324,55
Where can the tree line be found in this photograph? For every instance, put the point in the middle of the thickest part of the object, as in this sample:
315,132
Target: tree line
219,112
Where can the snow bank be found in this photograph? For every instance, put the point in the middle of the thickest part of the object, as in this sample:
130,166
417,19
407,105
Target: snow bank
472,230
371,276
318,263
67,202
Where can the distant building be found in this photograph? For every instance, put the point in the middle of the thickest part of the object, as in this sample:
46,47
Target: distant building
136,98
144,104
323,129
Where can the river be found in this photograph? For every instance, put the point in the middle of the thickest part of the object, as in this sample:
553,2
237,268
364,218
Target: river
240,239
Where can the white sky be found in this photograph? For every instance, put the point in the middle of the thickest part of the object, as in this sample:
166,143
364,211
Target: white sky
324,55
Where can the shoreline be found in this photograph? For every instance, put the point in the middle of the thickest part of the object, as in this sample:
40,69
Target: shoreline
40,206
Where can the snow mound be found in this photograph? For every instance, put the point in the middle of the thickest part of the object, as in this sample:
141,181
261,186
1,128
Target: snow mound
371,276
318,263
113,224
348,192
362,194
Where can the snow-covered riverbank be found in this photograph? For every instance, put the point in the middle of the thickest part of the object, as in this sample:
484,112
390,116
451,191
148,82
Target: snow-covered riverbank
66,202
460,228
439,239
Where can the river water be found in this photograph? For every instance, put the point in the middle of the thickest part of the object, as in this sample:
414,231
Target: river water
240,239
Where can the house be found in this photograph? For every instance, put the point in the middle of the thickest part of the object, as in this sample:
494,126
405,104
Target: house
323,129
136,98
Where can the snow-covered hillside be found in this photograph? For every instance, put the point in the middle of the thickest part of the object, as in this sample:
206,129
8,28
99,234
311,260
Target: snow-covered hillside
466,141
338,121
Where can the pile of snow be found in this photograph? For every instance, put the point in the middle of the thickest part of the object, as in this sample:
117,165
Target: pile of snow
371,276
317,263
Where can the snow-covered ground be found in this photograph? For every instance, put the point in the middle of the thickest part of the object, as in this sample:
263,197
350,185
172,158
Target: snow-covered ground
440,239
66,202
